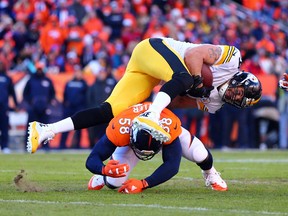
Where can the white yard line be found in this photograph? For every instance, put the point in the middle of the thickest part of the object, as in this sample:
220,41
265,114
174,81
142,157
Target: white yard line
189,209
260,160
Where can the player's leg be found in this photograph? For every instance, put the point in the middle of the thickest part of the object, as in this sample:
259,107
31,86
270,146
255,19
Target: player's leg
134,87
194,150
40,133
123,155
157,59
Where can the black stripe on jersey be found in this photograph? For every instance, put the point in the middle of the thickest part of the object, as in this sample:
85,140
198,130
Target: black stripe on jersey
172,59
229,54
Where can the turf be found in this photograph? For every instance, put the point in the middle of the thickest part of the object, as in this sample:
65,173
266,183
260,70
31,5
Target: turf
56,184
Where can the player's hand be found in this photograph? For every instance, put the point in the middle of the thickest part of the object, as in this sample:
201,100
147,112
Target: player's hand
133,186
198,90
114,169
283,83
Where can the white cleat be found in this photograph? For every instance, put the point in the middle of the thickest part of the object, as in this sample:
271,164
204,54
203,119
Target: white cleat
38,133
215,181
149,121
96,182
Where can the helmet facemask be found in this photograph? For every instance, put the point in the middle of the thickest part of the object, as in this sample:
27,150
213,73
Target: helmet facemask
243,90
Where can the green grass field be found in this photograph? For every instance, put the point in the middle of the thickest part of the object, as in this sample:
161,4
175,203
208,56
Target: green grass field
56,184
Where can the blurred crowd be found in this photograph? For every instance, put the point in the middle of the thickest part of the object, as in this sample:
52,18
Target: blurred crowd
98,36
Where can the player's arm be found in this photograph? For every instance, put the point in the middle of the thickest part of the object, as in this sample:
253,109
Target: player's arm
102,150
171,155
196,56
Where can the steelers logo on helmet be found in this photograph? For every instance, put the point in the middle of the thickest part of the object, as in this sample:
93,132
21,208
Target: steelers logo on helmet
243,90
144,146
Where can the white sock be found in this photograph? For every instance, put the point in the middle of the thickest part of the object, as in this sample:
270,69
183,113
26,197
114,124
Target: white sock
212,170
160,102
64,125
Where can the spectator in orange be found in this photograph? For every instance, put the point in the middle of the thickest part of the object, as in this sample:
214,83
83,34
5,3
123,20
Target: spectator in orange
71,60
127,15
7,50
75,35
51,35
142,17
252,65
100,41
41,9
138,5
92,23
156,29
23,10
267,44
255,5
7,40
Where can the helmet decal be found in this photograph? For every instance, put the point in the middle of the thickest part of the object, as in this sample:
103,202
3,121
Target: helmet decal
243,90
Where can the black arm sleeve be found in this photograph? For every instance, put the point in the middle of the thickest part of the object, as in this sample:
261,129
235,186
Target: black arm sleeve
171,155
102,150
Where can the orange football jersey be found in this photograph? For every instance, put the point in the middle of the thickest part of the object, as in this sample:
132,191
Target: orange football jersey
118,130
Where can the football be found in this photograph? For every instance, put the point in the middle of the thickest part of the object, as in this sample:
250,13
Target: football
206,73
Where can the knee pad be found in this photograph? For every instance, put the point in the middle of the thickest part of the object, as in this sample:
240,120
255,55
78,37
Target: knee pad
178,85
184,78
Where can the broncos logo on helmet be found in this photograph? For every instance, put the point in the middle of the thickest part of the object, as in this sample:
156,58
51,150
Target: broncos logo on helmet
143,144
243,90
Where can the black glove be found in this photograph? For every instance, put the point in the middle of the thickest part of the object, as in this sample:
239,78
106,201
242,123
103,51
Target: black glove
199,92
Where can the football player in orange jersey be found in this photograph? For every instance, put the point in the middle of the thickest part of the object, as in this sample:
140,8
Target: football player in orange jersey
178,65
128,143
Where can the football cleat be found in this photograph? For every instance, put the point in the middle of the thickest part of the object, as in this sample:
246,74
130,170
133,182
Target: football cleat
96,182
38,133
215,181
149,121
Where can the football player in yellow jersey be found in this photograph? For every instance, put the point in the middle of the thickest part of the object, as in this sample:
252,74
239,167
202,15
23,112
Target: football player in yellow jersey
177,64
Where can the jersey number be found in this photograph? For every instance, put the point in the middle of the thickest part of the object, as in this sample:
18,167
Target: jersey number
124,129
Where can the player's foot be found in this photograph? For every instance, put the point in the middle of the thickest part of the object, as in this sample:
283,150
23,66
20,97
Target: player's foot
149,121
96,182
38,133
214,180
